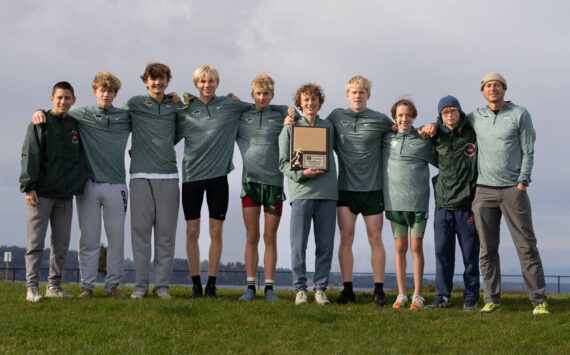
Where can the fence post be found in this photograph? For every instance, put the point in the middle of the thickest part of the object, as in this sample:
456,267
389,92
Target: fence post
558,283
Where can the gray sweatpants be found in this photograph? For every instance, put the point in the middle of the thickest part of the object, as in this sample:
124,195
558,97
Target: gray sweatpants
488,207
58,213
154,205
323,215
110,201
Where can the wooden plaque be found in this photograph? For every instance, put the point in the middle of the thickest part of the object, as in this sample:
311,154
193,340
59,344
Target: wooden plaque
309,148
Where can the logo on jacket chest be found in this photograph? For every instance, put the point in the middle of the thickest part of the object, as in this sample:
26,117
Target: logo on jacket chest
344,123
74,137
250,120
469,149
148,104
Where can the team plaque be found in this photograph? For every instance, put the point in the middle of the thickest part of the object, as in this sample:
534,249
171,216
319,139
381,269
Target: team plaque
309,148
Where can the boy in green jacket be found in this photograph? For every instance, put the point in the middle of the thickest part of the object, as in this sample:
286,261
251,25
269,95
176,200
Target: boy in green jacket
54,169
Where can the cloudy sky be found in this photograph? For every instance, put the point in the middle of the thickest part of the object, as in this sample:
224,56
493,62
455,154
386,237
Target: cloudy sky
420,49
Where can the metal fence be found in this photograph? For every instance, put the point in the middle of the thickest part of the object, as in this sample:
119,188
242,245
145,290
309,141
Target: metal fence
282,279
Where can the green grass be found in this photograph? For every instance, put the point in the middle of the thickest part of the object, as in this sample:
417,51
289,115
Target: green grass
224,325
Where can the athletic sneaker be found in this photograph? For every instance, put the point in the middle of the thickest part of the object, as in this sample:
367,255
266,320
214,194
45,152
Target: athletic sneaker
211,291
321,298
114,292
417,302
470,305
440,302
541,308
85,293
401,301
270,296
33,295
490,308
379,299
301,298
163,293
197,291
57,292
138,294
346,296
249,295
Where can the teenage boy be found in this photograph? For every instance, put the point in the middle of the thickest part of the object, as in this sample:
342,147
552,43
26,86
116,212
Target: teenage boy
313,195
209,127
454,188
154,181
105,131
54,169
358,144
262,182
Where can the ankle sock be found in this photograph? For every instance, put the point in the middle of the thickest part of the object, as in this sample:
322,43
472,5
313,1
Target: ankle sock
379,287
268,285
211,281
196,280
251,283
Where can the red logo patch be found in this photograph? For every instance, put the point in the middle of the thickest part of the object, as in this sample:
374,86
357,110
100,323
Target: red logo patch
74,137
471,220
469,149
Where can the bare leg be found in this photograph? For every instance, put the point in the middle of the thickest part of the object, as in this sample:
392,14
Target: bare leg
378,253
216,231
400,261
192,248
270,239
346,223
251,221
418,258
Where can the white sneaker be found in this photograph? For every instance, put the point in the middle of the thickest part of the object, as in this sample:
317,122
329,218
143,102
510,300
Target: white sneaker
138,294
321,298
57,292
301,298
163,293
34,295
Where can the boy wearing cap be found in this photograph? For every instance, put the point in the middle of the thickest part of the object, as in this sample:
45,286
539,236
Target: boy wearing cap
54,169
454,188
506,156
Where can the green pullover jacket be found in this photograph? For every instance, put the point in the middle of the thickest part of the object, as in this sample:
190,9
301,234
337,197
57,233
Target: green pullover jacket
358,146
258,142
53,159
323,186
154,128
105,132
506,145
406,176
209,132
454,186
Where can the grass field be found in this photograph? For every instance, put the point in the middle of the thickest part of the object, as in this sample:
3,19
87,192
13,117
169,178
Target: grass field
224,325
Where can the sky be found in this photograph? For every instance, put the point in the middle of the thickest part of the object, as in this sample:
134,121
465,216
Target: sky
417,49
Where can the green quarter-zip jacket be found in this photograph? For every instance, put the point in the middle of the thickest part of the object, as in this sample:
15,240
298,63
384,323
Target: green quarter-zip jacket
154,127
323,186
209,132
454,186
358,146
53,160
105,132
258,142
506,145
406,176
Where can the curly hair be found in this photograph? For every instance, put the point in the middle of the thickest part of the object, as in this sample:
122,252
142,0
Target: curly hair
311,90
156,70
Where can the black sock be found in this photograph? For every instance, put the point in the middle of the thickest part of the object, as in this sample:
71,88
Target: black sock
211,281
378,287
268,285
196,280
348,286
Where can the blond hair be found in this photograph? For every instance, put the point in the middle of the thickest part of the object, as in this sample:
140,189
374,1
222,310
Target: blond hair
106,81
359,82
263,82
208,72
